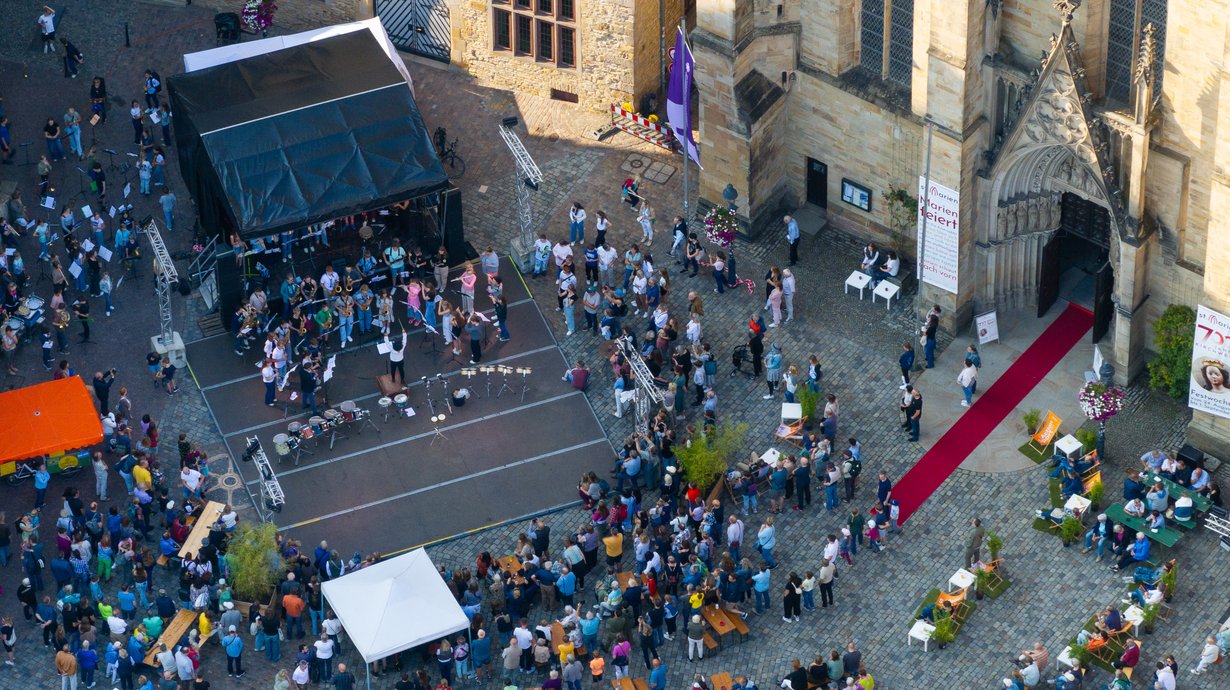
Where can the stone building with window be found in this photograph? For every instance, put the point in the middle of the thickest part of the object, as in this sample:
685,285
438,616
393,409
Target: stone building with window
592,53
1085,141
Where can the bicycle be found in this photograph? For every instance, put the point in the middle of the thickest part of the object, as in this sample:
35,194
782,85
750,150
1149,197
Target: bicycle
24,469
447,152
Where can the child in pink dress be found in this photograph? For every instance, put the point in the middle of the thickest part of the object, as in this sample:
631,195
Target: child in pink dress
414,303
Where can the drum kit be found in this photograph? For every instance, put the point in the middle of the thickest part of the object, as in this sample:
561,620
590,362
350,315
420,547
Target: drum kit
295,439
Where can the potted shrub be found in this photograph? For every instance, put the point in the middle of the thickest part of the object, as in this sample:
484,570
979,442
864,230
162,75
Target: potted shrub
945,631
706,457
1083,657
1070,530
1149,618
995,544
807,400
1032,417
1088,438
982,580
1170,580
1095,493
255,562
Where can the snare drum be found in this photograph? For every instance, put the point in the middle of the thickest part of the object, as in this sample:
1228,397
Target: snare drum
333,417
402,401
281,444
348,411
294,429
384,403
317,425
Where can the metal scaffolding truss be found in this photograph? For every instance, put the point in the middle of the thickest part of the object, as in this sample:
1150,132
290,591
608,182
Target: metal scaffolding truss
165,279
528,177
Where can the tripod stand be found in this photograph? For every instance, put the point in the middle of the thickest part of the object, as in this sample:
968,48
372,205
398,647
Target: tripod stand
448,399
504,386
469,373
525,386
431,404
111,160
488,371
437,420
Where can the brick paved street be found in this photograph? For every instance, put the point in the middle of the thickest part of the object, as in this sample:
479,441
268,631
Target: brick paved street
1054,590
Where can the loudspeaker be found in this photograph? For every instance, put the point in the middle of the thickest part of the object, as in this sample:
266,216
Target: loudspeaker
1191,456
453,231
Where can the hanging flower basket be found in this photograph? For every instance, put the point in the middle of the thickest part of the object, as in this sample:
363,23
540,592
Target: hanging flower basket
721,227
1099,401
258,14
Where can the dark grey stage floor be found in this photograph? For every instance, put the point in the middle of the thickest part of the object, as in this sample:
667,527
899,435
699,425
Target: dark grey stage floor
392,485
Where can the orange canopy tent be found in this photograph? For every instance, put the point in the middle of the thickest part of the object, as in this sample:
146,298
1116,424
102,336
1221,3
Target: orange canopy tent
47,418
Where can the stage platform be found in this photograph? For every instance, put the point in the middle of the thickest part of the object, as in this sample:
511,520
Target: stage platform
389,486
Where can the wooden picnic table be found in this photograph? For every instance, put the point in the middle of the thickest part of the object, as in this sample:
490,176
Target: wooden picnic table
171,635
721,681
511,566
1165,536
717,619
206,519
1200,504
557,639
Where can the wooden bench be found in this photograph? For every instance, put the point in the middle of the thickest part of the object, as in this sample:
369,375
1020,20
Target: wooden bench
200,530
163,561
1165,536
740,626
720,681
715,494
710,643
176,629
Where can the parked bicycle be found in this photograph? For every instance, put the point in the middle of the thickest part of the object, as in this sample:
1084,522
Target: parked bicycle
24,469
447,152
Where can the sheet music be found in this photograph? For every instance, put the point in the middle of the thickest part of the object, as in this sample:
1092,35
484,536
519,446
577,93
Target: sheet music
87,212
112,212
87,245
127,189
384,348
49,202
328,375
104,253
74,269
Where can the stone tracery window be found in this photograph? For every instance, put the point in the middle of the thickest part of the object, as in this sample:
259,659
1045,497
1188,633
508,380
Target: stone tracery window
886,39
1127,21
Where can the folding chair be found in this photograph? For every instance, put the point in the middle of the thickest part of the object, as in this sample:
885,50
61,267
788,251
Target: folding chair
1088,480
790,428
993,570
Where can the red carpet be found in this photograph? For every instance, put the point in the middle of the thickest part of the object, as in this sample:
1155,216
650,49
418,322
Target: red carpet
990,409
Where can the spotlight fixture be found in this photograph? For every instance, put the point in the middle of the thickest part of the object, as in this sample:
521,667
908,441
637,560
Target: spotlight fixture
509,121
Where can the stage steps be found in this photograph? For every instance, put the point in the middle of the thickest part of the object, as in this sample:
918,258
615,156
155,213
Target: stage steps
211,325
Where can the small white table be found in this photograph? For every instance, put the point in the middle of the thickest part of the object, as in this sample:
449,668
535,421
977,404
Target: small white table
1065,658
1134,615
1068,445
962,579
859,281
791,412
922,630
886,290
1077,504
771,456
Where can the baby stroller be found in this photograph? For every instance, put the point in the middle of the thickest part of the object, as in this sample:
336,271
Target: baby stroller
740,355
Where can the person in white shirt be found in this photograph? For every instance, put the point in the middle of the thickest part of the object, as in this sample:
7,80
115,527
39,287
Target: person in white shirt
693,330
889,269
47,24
576,223
606,263
966,379
329,280
1208,656
269,376
191,479
562,252
324,657
871,258
302,675
397,357
1165,677
542,252
788,287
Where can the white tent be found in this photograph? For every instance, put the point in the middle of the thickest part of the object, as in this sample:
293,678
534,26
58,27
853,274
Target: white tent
239,51
394,605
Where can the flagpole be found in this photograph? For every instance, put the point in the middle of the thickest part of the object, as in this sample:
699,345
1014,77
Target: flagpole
683,147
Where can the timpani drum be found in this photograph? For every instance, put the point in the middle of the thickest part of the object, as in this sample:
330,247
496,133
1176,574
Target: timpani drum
281,444
348,411
317,425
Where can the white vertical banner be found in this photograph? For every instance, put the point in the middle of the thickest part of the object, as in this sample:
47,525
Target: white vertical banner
939,251
1210,384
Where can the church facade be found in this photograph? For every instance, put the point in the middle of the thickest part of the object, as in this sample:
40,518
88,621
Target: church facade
1082,142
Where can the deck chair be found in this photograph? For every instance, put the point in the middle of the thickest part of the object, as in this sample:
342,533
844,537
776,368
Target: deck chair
955,599
1089,480
1045,435
790,428
994,570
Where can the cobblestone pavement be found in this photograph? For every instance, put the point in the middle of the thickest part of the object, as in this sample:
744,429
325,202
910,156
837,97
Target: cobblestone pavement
1053,591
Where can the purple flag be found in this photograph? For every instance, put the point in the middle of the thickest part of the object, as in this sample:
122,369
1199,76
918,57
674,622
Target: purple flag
679,97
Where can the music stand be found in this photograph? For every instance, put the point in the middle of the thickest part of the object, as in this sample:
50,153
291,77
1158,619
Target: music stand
504,386
448,399
25,147
111,160
431,404
525,372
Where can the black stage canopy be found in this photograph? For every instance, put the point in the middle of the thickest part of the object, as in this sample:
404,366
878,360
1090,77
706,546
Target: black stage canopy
301,135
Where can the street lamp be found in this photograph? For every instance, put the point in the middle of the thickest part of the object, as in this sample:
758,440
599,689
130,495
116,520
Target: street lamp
730,194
